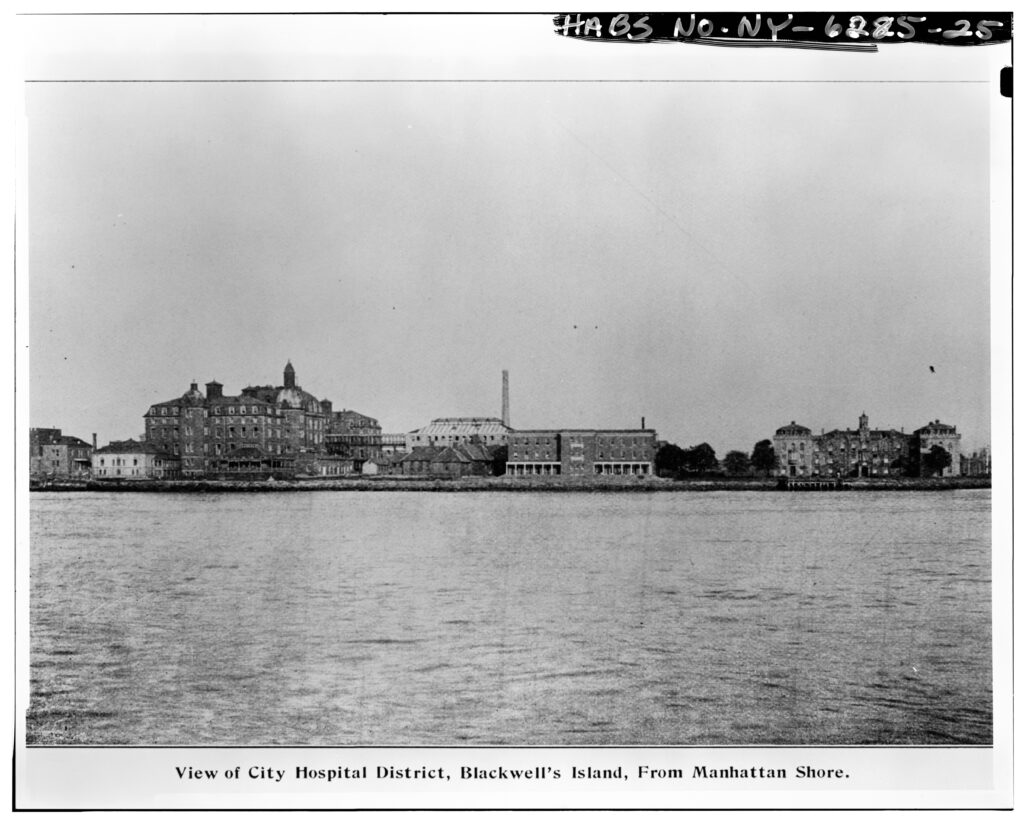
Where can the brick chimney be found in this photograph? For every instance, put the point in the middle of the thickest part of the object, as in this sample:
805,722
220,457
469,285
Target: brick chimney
505,419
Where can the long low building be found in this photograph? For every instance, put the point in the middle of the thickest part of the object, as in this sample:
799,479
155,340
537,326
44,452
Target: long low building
447,431
581,452
134,460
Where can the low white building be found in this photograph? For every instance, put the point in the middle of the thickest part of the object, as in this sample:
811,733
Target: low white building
133,460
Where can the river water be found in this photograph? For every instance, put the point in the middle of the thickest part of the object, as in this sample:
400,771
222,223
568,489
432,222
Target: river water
344,618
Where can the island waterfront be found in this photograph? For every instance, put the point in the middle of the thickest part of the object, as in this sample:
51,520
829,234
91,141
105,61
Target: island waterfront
283,437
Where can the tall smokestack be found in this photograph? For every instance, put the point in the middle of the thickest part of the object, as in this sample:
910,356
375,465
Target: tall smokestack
643,422
94,441
504,398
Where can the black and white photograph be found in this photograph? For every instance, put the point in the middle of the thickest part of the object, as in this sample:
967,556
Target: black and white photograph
500,410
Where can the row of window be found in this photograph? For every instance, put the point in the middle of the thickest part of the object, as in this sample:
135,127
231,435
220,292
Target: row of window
842,449
607,441
219,410
624,452
221,420
228,410
337,438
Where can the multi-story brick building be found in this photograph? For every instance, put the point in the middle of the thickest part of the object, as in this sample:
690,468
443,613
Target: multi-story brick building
581,452
263,430
54,455
353,436
862,452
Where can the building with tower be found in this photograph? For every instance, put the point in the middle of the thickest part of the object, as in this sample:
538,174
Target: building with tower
263,431
862,452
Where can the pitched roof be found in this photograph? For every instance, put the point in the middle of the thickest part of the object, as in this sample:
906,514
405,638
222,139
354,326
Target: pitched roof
132,446
478,452
353,415
45,435
465,454
451,455
469,426
73,441
239,400
420,454
563,431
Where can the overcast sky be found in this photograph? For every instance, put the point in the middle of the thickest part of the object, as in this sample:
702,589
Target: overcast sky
720,258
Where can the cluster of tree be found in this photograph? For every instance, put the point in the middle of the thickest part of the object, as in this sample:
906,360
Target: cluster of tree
761,460
932,463
672,461
935,461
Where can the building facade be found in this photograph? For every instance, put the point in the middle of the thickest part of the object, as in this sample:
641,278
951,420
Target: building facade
54,455
353,436
937,434
263,431
450,461
132,460
393,444
581,453
459,430
861,452
978,463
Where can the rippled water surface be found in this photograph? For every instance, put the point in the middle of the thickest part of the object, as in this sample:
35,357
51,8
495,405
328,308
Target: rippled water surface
510,618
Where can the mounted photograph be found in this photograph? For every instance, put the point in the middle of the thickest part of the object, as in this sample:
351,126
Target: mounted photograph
506,385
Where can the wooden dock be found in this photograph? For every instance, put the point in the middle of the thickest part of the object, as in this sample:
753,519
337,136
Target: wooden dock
810,484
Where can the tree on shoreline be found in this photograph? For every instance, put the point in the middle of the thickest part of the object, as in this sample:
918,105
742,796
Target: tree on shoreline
668,461
935,461
763,458
736,462
700,459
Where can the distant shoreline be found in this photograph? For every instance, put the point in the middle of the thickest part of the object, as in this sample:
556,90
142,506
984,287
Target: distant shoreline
501,484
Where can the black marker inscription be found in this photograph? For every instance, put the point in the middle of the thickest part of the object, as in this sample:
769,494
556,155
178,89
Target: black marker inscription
847,31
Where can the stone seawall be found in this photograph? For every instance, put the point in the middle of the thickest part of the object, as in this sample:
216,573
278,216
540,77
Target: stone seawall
498,484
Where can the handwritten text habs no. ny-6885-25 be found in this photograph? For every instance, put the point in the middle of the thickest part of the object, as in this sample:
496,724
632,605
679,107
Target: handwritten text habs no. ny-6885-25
807,28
